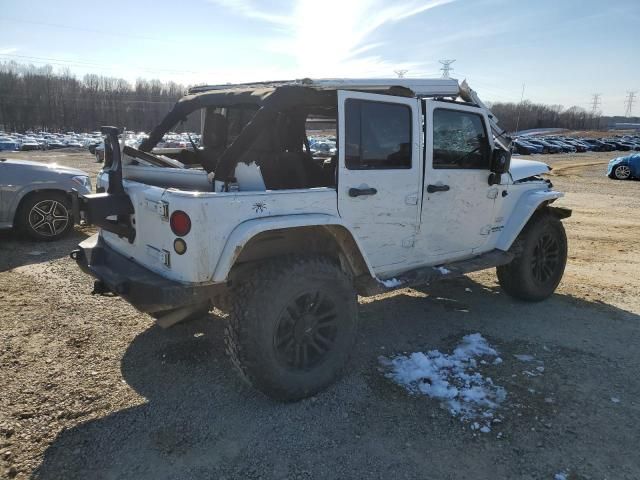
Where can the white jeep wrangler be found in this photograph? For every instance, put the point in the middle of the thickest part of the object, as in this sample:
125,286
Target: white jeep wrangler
421,187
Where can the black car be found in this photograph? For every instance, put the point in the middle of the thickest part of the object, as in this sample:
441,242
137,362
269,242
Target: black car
618,145
546,146
597,145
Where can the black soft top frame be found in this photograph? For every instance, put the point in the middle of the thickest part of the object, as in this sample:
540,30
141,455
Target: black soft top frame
270,102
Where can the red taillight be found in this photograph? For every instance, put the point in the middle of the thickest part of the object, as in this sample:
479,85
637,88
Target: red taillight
180,223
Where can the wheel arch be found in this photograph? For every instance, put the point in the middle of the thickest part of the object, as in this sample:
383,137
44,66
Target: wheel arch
525,208
27,193
259,239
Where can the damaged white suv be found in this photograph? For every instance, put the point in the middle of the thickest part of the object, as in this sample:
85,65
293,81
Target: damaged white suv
422,187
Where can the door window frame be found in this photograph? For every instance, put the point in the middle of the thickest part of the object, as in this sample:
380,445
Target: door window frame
486,136
411,132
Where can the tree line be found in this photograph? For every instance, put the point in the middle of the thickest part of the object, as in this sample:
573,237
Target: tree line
528,115
34,97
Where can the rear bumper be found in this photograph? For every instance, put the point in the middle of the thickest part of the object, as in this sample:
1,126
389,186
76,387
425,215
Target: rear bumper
144,289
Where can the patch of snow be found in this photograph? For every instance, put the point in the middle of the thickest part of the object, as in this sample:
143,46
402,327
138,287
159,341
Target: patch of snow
468,290
497,361
391,283
560,476
442,270
35,253
451,378
525,357
485,429
615,399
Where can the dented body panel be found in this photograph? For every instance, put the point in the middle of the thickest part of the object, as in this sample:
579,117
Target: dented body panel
379,222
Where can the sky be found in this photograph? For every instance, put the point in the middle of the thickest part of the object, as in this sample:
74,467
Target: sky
562,51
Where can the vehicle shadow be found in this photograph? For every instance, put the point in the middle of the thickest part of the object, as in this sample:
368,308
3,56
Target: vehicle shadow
201,421
17,250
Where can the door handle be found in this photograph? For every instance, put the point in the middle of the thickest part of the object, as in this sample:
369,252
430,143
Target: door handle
359,192
437,188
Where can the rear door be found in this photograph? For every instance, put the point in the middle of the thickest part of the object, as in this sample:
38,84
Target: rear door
380,171
458,202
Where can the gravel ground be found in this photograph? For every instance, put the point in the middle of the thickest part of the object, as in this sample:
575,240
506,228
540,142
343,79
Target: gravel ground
91,389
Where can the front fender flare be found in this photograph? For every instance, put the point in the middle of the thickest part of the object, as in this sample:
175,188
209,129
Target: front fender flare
522,212
245,231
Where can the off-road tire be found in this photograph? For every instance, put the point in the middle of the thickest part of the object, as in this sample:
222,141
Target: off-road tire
523,278
27,216
263,299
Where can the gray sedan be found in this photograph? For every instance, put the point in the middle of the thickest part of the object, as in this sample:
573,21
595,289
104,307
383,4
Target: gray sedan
35,197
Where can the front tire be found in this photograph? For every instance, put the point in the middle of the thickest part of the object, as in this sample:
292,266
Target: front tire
292,326
45,216
540,262
622,172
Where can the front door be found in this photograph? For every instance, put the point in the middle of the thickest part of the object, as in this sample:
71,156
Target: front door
380,173
458,202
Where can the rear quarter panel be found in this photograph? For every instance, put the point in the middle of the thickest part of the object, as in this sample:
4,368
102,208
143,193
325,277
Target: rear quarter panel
214,216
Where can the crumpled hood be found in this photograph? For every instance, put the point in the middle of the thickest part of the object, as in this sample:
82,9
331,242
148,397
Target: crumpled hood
527,168
51,167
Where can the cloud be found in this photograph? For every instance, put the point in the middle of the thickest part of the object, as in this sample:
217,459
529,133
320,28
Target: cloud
8,50
332,37
249,9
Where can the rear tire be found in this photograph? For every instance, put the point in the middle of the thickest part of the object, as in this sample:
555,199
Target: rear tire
540,262
45,216
292,326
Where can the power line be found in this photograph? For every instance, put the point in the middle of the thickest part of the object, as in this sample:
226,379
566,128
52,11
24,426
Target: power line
90,30
629,103
446,67
76,63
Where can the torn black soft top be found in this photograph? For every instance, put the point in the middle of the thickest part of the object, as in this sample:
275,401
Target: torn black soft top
191,103
270,101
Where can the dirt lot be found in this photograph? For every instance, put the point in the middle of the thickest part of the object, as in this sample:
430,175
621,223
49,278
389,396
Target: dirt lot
91,389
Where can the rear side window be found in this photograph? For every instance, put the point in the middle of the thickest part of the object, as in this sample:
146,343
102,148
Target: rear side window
377,135
459,140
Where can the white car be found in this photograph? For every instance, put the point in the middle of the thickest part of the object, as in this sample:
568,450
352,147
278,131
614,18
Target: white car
421,188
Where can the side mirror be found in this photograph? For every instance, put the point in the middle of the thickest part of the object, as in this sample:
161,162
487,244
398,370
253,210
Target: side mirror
500,163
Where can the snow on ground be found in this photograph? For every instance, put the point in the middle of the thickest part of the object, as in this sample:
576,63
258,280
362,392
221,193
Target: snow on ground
453,379
390,283
442,270
560,476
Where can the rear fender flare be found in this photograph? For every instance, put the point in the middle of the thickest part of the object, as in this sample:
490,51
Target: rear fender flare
244,232
522,212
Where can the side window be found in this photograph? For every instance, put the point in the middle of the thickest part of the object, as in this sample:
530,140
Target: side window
459,140
377,135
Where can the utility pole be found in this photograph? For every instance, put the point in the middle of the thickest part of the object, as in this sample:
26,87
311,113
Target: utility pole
401,73
519,107
446,67
629,103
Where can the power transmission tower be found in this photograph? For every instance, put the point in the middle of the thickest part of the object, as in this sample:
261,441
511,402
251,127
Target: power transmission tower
595,104
629,103
595,110
401,73
446,67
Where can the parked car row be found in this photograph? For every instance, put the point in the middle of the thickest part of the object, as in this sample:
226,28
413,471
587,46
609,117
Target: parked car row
527,145
47,141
